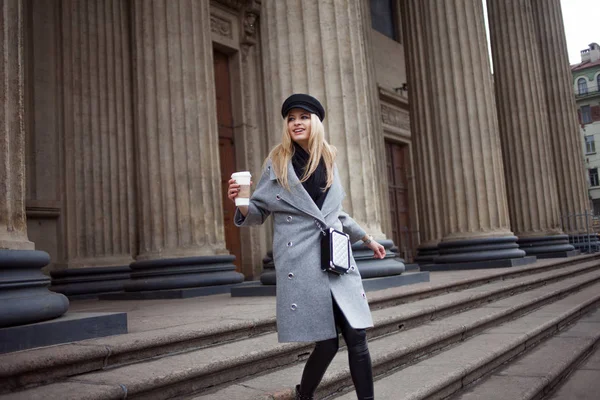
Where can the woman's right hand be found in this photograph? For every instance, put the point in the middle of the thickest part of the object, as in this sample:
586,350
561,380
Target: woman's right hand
233,190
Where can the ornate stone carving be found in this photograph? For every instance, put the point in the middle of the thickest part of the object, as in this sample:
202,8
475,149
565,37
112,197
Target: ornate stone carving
221,26
394,117
250,23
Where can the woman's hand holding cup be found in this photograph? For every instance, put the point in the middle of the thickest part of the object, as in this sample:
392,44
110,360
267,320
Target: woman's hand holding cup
233,190
239,190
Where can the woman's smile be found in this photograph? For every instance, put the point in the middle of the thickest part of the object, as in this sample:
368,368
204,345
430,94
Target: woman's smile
299,126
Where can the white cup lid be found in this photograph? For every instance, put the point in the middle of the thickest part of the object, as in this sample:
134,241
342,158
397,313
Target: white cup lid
241,174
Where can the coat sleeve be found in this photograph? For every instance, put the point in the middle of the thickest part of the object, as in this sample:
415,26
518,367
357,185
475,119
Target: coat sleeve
351,227
258,209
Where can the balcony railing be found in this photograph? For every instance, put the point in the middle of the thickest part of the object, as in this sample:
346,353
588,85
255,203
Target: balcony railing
590,90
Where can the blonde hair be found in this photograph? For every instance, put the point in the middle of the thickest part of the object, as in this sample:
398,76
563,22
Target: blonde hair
317,148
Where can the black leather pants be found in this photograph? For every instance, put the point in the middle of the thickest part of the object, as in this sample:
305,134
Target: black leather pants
358,357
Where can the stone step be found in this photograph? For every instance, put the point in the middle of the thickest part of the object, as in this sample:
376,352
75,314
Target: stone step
207,367
444,374
404,348
48,364
583,383
389,298
189,372
538,372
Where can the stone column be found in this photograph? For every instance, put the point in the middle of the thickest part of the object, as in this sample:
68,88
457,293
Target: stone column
526,141
180,216
377,120
24,297
422,132
318,47
476,228
98,147
562,116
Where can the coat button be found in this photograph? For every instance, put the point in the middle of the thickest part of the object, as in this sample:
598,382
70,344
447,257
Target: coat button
364,295
278,197
293,307
290,244
352,267
290,275
289,218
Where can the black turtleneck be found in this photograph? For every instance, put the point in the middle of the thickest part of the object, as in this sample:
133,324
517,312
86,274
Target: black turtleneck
315,184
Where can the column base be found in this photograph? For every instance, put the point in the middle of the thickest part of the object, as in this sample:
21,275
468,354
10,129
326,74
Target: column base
585,243
560,254
503,263
268,275
71,327
370,267
89,282
426,254
546,246
151,278
482,250
172,293
24,293
413,267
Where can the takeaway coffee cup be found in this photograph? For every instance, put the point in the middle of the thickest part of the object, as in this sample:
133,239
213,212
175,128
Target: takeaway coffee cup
243,179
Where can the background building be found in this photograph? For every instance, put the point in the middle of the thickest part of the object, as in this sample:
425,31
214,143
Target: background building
586,84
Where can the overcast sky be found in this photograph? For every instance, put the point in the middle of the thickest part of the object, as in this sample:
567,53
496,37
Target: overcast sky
582,25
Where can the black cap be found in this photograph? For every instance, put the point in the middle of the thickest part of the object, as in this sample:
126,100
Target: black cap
304,102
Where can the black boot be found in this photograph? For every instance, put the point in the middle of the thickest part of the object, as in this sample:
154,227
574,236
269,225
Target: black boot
300,396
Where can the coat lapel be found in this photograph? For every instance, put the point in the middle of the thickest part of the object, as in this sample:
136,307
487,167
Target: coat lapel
298,197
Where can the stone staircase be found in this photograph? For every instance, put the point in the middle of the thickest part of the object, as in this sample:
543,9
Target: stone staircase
457,339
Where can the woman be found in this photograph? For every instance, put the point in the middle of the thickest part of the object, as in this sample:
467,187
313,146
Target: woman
300,186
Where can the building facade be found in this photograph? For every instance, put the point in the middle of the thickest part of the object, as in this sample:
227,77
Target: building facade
586,86
123,120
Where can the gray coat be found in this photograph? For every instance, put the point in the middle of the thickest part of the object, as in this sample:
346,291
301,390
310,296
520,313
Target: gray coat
304,291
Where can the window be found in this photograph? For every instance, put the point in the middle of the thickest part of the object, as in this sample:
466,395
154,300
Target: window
383,18
586,115
582,86
590,144
598,82
594,177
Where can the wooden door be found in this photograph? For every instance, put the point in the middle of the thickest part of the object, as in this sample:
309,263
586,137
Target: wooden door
398,167
226,151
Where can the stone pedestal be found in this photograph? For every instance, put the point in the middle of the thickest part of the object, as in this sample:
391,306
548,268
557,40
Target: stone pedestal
318,47
89,282
475,221
181,234
421,127
24,297
523,115
70,327
24,294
